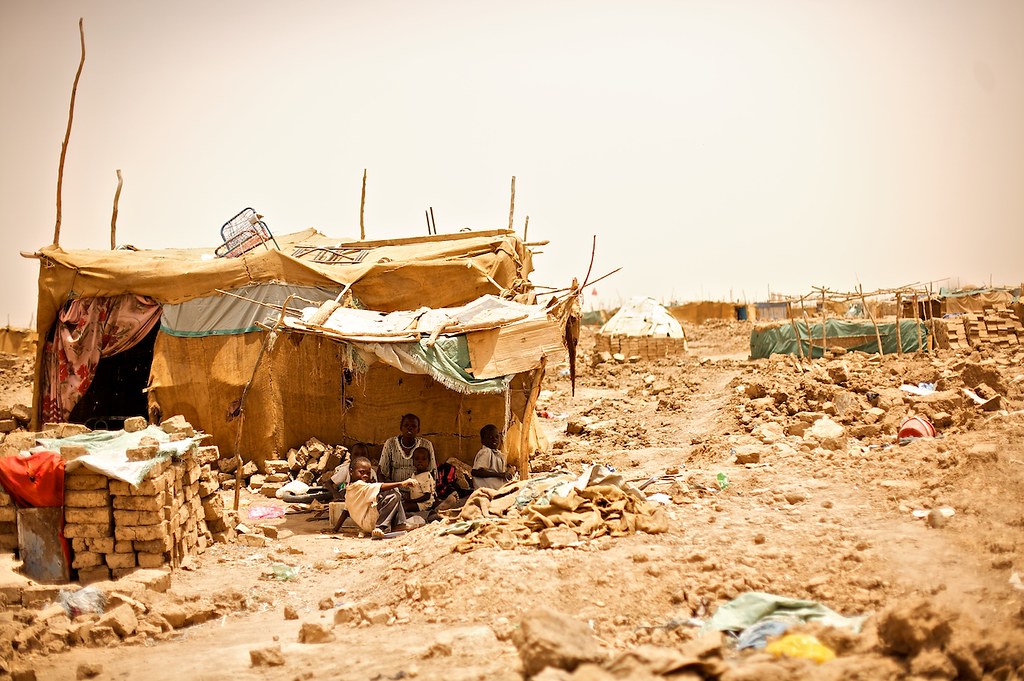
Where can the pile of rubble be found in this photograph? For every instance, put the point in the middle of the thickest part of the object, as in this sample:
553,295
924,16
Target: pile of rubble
307,464
14,417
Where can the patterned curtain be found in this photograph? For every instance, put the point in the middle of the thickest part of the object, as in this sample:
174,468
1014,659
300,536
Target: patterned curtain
88,329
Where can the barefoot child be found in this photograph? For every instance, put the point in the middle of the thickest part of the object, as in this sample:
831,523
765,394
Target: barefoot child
421,494
376,507
489,467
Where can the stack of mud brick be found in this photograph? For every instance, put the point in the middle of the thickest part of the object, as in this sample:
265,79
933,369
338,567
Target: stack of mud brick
644,347
174,513
997,326
8,522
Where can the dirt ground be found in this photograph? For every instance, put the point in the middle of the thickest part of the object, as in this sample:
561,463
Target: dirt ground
813,514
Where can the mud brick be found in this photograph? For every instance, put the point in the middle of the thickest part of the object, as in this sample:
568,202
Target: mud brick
5,499
97,574
147,488
152,503
142,452
86,498
206,488
155,546
90,531
7,425
87,516
120,573
219,526
79,544
117,561
207,456
152,560
143,533
138,517
134,424
123,547
8,514
100,544
85,481
8,542
86,559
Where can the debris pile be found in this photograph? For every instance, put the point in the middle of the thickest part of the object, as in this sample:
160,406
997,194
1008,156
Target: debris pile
556,511
634,348
997,326
307,464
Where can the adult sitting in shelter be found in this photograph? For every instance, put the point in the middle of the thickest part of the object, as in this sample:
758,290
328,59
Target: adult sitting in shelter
489,467
376,507
396,458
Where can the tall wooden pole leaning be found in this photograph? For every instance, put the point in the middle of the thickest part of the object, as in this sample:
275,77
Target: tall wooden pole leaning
824,326
899,336
917,323
362,208
864,302
67,133
932,344
526,229
512,203
113,215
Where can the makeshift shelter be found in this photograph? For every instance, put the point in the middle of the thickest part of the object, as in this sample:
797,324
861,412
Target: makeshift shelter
15,341
771,339
700,312
975,300
642,328
198,325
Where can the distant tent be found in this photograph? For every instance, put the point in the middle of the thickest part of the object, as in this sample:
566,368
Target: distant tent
643,317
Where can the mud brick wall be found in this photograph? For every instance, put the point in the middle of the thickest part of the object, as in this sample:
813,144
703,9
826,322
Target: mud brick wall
115,528
8,522
644,347
997,326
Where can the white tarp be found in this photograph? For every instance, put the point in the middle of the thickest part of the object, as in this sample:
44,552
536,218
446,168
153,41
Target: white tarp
643,317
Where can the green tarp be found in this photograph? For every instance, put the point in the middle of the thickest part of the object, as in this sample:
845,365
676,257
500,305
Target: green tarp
850,334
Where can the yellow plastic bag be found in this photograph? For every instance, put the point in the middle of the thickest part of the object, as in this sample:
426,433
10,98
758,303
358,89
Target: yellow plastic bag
803,646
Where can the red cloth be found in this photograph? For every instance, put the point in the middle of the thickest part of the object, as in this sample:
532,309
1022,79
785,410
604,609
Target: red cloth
34,481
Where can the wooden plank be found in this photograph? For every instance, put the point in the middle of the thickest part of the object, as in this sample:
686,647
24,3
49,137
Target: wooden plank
39,545
515,348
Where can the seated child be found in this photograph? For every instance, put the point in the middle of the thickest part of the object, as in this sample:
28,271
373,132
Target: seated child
376,507
421,494
454,484
489,468
340,478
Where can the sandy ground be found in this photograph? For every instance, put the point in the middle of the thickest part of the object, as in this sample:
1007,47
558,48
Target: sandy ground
821,518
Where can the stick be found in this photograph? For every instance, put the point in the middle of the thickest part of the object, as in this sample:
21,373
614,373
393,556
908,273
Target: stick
917,323
362,207
899,336
810,337
426,215
878,336
512,203
113,216
526,228
432,220
67,133
931,318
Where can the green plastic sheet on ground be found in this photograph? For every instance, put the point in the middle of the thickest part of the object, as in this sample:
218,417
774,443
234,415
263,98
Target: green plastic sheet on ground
107,451
852,335
749,608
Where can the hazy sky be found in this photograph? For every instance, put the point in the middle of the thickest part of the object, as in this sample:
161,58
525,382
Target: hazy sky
712,147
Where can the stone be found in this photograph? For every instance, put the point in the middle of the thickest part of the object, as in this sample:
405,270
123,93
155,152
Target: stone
268,656
142,452
550,639
574,428
21,412
178,424
827,433
121,619
88,670
290,613
936,519
748,454
315,632
557,537
254,540
839,372
134,424
347,613
157,581
769,432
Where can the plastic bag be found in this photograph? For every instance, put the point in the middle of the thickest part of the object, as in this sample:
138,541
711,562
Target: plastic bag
284,573
85,600
804,646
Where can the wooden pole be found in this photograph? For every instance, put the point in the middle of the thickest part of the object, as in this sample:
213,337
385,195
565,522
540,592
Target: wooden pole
899,335
917,323
931,318
113,216
426,215
796,331
512,202
824,328
878,336
810,337
526,228
362,208
433,222
67,133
